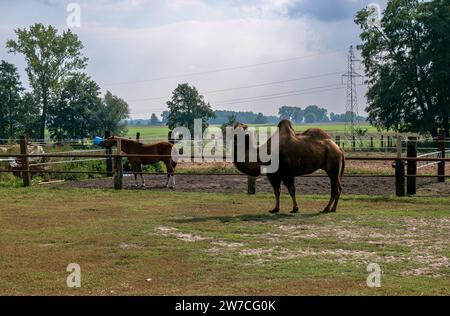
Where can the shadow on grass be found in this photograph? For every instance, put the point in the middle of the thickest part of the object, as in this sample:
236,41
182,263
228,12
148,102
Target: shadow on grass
247,218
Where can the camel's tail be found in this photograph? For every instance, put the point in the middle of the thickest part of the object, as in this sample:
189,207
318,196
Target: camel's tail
342,165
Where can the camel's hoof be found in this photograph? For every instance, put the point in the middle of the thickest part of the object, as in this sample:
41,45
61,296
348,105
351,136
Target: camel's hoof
274,211
295,211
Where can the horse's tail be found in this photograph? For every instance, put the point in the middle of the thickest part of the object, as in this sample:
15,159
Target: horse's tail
174,157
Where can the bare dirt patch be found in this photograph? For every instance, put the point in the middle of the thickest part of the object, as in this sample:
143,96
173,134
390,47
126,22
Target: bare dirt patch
238,184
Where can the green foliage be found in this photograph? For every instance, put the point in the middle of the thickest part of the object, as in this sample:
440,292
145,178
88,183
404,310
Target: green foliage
186,106
74,116
18,109
50,58
260,119
406,59
292,113
112,115
154,121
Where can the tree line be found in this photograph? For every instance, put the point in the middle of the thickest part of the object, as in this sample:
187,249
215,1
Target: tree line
63,100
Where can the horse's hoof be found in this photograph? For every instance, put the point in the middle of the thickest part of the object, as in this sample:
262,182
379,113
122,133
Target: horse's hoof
325,211
274,211
295,211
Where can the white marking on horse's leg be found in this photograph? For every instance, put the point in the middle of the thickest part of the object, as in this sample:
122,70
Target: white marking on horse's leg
167,182
142,180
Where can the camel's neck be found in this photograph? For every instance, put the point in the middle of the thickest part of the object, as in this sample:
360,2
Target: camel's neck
247,167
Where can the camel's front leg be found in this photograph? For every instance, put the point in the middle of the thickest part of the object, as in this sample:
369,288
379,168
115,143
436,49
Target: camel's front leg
276,184
290,184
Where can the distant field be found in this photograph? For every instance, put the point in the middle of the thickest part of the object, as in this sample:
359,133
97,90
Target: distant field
161,131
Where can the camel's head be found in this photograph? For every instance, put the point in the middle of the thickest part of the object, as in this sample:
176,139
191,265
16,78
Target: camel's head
286,127
109,142
285,124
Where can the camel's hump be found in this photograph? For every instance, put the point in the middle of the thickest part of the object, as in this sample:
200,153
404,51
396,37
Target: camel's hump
317,133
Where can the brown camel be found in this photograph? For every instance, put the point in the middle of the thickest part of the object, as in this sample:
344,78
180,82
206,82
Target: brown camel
299,154
163,151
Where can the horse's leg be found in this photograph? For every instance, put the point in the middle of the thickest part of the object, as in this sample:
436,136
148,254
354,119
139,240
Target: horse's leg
289,182
170,172
276,184
142,176
135,170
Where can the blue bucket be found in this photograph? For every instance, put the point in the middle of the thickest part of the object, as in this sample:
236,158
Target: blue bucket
97,140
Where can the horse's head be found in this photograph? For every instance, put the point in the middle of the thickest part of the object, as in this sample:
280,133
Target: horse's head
240,126
109,142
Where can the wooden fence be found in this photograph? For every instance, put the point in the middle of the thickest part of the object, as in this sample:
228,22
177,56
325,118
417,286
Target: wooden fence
115,166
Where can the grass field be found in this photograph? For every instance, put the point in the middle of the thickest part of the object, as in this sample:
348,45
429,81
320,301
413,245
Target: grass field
161,131
160,242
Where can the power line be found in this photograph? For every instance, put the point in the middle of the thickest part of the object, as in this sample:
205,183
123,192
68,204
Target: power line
272,96
245,87
222,69
277,94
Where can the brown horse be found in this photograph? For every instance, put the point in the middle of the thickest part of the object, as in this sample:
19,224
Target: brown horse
163,151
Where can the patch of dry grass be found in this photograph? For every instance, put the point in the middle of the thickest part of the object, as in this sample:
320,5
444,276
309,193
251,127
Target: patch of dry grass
172,243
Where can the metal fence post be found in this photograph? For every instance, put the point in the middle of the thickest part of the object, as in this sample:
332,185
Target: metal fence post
24,161
412,166
441,150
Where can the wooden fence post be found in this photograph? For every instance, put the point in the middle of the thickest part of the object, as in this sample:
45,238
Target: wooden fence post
399,170
354,142
371,143
338,140
251,185
138,136
412,166
382,142
24,161
170,138
109,162
441,149
118,168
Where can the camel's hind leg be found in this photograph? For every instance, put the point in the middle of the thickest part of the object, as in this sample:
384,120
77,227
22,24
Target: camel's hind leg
336,190
290,184
275,181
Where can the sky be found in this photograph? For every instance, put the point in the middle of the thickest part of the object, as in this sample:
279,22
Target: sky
254,55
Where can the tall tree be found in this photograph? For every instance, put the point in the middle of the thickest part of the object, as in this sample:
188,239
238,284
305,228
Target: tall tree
112,115
314,114
18,110
406,58
292,113
10,90
76,108
154,120
186,106
50,58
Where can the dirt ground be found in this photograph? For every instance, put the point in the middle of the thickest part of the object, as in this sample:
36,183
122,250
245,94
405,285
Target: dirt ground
238,184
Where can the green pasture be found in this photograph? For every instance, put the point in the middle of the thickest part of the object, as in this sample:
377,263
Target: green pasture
162,131
171,243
